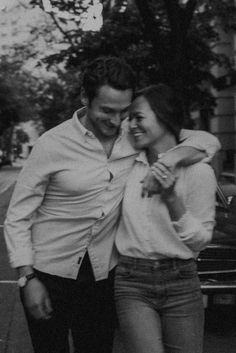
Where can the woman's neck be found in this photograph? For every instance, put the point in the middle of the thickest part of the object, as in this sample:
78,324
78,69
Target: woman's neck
160,147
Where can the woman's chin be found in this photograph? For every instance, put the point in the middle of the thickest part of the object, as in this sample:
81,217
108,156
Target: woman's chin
139,145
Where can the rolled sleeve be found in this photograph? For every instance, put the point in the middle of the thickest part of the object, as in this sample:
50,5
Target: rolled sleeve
201,140
195,227
193,232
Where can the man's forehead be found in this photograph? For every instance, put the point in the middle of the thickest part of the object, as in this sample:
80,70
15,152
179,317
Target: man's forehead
106,90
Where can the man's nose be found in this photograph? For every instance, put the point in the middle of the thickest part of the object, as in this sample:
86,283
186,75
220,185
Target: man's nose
116,119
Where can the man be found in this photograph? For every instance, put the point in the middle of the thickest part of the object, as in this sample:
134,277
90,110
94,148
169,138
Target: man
62,218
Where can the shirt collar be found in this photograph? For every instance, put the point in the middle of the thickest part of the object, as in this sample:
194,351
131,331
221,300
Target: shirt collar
142,158
78,114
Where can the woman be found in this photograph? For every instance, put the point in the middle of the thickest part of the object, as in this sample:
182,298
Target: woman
157,290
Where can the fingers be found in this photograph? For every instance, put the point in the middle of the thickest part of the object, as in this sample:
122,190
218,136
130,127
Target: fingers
41,311
158,178
163,170
48,308
163,174
150,185
36,300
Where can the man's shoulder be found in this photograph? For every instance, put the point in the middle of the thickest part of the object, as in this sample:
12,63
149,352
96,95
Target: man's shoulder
60,130
64,126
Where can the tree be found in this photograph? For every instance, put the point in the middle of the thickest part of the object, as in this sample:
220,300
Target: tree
167,40
59,98
8,107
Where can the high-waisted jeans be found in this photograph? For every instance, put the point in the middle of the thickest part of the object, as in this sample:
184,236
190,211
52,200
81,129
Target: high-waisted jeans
159,305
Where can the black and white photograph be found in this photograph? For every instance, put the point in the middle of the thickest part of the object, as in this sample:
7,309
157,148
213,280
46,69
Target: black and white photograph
117,176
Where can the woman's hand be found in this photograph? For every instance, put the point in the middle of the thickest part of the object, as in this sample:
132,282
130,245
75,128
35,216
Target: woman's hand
150,185
165,178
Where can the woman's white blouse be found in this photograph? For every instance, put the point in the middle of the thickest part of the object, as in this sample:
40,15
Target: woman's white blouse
146,229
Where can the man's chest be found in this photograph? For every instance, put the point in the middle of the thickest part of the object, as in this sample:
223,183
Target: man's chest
88,174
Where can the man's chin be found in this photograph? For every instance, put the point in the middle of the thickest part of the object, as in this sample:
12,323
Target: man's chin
111,133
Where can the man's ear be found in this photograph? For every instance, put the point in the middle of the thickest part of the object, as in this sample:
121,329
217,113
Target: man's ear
84,98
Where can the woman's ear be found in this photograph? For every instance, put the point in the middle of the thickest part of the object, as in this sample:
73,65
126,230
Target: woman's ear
84,98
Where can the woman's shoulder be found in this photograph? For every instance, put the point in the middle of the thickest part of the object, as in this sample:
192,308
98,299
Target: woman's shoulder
200,172
200,167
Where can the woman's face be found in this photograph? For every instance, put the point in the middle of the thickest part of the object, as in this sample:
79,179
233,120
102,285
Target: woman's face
144,125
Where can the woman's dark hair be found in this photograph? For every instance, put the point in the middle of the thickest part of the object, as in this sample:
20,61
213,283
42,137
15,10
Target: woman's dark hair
166,106
112,71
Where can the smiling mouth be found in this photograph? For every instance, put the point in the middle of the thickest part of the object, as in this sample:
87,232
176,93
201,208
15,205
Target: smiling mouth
137,134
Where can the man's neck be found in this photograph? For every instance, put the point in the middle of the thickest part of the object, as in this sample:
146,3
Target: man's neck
107,142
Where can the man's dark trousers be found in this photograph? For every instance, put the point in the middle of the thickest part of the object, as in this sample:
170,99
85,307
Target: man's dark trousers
82,305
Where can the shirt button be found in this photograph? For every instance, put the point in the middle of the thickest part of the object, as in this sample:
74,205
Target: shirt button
111,176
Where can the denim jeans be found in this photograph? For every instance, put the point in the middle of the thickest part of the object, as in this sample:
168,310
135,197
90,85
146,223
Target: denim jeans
159,305
84,306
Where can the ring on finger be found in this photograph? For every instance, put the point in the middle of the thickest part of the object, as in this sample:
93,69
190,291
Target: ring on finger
164,176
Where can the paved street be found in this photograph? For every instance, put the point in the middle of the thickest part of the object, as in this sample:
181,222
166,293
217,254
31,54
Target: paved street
13,334
220,334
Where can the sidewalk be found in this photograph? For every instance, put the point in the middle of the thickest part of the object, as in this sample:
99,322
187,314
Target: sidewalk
14,335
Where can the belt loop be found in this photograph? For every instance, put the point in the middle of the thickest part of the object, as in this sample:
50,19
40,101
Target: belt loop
174,264
135,263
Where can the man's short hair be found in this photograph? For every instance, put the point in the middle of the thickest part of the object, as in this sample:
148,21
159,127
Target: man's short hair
111,71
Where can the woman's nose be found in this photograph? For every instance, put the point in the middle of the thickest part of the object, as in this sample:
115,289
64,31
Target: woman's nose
132,123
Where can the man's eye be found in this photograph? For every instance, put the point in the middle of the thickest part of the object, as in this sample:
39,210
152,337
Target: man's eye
106,110
124,115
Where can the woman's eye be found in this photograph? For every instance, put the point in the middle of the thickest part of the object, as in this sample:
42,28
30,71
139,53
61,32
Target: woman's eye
136,118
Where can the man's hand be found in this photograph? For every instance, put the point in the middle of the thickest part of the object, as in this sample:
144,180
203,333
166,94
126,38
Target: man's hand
36,300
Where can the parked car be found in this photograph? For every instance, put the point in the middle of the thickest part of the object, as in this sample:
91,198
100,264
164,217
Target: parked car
217,263
1,156
3,159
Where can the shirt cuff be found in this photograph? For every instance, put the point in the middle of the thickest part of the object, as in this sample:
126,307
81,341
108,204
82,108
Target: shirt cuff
22,258
186,225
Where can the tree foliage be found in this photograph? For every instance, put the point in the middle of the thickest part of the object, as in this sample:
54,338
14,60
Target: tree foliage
167,40
8,107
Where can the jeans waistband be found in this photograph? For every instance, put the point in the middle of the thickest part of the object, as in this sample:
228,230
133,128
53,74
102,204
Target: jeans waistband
153,264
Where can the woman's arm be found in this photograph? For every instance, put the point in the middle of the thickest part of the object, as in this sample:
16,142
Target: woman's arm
195,146
192,218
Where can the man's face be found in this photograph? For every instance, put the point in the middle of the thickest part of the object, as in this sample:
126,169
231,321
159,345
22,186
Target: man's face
107,110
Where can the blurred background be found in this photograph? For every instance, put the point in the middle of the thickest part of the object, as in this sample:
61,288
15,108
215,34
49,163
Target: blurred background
44,45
